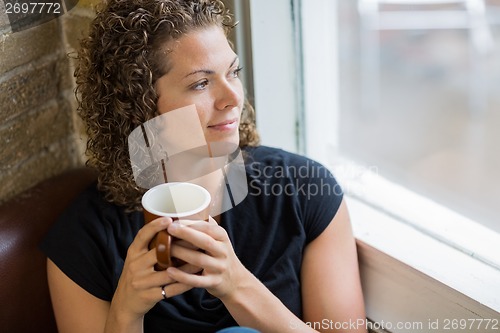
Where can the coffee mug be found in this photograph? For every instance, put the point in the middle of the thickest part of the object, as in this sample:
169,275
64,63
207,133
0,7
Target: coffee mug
179,201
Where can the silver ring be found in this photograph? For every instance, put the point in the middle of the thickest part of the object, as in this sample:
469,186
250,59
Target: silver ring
163,293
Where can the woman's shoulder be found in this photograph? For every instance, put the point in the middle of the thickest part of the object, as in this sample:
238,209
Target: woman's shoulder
315,192
89,225
90,201
299,166
92,212
272,155
90,196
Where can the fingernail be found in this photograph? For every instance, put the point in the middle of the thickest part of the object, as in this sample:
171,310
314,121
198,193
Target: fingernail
173,226
176,225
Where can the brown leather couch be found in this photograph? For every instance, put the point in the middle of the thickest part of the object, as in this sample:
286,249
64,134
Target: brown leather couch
24,296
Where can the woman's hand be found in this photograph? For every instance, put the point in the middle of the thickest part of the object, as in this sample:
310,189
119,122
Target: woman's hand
140,286
221,269
248,301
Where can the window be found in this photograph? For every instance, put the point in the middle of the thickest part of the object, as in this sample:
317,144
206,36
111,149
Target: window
410,138
417,162
417,149
409,142
430,113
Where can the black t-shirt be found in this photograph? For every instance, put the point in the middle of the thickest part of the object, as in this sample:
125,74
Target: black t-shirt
290,201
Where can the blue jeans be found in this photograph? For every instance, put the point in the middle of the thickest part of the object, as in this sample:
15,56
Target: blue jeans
238,330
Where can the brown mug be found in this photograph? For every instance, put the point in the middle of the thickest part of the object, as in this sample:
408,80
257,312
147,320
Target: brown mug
179,201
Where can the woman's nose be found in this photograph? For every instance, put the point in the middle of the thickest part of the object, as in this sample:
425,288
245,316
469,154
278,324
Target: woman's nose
229,95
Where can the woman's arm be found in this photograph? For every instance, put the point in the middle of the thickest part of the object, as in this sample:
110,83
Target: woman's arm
331,288
75,309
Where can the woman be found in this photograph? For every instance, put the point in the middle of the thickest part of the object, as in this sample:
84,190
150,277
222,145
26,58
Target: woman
282,260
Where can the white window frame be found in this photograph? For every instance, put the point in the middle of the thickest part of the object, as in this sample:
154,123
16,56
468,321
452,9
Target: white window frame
410,274
273,62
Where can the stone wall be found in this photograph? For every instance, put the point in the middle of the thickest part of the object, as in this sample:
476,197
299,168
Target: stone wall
40,135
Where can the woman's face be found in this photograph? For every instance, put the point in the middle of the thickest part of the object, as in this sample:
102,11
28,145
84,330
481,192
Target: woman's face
203,70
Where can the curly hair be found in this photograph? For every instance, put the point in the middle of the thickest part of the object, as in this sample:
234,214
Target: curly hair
117,67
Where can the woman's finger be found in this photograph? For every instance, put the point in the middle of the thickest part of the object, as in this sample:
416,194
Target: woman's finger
211,220
142,263
190,269
148,231
196,281
174,289
213,230
195,257
183,232
161,278
201,240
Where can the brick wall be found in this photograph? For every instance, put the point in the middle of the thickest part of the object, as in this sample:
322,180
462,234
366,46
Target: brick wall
40,134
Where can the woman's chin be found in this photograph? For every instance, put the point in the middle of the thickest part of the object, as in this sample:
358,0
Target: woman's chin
226,147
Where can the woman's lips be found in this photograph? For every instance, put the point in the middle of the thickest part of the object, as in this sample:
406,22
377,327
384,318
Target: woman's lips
227,125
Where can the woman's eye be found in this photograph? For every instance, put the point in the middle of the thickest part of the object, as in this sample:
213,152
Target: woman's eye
200,85
236,72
